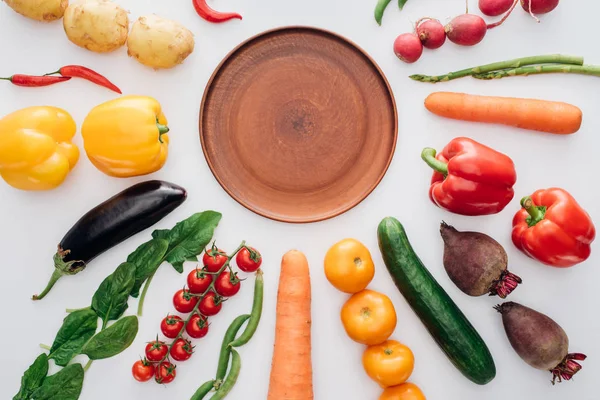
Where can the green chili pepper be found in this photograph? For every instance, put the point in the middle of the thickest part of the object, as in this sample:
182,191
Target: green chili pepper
229,382
225,349
255,315
380,8
203,390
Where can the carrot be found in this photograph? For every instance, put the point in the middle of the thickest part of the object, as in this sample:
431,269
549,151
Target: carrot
538,115
291,368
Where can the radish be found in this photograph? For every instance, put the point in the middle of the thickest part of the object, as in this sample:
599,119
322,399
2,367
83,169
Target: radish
408,47
493,8
539,6
431,33
466,30
539,341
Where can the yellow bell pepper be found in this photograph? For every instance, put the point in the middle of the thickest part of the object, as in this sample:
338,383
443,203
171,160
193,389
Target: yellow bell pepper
126,136
36,152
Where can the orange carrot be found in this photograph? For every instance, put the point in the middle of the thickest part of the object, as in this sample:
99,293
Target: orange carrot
291,368
538,115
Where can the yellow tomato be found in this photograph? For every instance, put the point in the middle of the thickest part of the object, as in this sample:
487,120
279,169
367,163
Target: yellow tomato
389,363
369,317
406,391
348,266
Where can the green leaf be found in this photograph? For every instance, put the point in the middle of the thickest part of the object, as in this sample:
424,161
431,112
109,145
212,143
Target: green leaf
110,300
401,3
113,340
33,378
189,237
77,328
66,384
192,259
147,258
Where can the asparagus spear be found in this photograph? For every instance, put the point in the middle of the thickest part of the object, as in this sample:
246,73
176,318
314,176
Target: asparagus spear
516,63
541,69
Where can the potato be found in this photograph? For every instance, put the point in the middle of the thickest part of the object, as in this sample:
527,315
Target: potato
97,25
41,10
158,42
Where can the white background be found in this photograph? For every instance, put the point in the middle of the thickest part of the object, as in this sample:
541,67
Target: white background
33,223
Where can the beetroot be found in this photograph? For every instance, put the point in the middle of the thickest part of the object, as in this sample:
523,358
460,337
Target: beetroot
539,6
539,341
408,47
431,33
466,30
476,263
493,8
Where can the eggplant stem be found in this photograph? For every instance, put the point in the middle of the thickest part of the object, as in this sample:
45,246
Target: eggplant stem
56,275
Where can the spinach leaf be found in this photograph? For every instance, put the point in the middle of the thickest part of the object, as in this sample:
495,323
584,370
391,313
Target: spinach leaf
188,237
401,3
66,384
147,258
110,300
113,340
33,378
77,328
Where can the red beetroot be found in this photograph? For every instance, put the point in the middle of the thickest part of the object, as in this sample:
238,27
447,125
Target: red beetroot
539,6
431,33
493,8
408,47
466,30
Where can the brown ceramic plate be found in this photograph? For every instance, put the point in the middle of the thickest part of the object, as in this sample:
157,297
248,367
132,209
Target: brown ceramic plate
298,124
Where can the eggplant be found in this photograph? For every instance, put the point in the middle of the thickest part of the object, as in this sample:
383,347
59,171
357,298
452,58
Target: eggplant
111,222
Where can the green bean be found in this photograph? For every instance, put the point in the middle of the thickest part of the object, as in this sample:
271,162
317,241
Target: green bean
225,349
254,315
203,390
380,8
229,382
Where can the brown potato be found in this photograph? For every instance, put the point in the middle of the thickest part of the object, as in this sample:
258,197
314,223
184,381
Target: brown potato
40,10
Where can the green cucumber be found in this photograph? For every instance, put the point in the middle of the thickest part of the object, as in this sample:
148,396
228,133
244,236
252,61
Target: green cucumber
443,319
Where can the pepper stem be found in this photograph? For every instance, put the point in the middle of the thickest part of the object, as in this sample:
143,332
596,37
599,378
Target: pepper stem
56,275
536,213
53,73
428,155
162,129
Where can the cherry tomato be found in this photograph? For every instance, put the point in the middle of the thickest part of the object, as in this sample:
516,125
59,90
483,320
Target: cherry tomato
171,326
406,391
181,350
197,326
210,304
183,301
389,363
142,370
248,260
227,285
165,372
156,350
198,281
214,259
349,266
369,317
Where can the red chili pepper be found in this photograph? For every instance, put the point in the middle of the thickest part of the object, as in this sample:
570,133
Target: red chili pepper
77,71
34,81
211,15
553,228
470,178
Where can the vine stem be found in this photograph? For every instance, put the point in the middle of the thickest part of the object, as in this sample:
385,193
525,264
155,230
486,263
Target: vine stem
143,295
88,365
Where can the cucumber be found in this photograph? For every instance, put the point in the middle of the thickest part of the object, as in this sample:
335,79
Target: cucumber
443,319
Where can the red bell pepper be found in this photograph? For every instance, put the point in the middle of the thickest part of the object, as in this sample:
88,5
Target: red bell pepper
551,227
470,178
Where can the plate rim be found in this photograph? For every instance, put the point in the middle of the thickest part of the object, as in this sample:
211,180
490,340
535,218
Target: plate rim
350,205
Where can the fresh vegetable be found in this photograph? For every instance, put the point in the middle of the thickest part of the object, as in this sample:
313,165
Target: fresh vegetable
291,367
466,30
171,326
207,13
113,340
227,284
349,266
553,228
406,391
165,373
203,390
110,223
197,326
389,363
147,258
369,317
231,379
184,301
181,350
211,304
66,384
538,115
77,329
494,8
156,350
34,81
36,152
470,178
33,378
40,10
142,370
408,47
78,71
199,280
110,300
226,348
593,70
255,315
431,33
539,6
476,263
561,63
446,323
539,341
213,259
380,9
100,26
159,42
248,259
126,136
